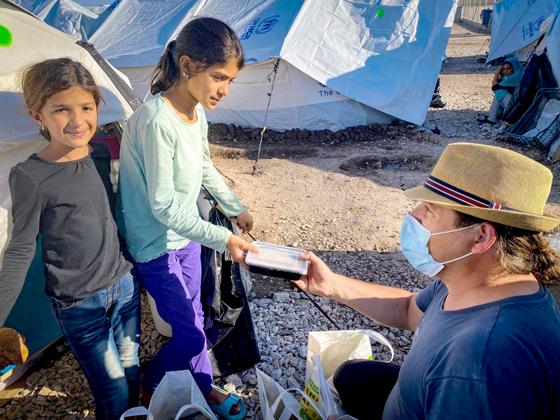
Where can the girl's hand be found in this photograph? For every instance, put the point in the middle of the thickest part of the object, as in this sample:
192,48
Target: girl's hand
318,278
238,248
245,221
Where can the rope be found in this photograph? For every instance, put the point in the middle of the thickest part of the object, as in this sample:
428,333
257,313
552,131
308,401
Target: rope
319,308
273,73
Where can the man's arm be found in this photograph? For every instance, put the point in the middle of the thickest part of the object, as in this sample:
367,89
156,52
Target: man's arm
390,306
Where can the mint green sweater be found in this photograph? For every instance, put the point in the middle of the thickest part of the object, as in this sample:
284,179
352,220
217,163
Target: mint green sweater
163,164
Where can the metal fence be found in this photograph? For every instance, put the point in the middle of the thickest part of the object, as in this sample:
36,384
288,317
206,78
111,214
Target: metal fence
470,9
484,3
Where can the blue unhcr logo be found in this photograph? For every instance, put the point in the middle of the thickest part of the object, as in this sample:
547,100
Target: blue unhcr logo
267,24
260,26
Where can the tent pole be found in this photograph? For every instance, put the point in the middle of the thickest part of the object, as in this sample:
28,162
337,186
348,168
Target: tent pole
275,71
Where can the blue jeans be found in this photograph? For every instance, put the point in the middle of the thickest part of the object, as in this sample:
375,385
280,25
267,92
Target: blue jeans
103,331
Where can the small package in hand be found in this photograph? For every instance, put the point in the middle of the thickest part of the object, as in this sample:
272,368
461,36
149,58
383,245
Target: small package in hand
276,261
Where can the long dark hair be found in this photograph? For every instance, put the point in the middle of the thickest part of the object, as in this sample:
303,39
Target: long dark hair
42,80
207,41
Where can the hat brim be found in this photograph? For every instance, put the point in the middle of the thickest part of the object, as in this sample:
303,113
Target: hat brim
532,222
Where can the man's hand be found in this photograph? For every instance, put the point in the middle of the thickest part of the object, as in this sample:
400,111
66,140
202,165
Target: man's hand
245,221
319,276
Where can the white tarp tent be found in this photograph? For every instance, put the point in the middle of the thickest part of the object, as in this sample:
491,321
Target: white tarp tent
517,24
342,63
34,6
553,44
77,18
71,18
27,40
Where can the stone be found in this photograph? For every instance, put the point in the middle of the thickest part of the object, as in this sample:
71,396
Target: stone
281,297
235,380
33,379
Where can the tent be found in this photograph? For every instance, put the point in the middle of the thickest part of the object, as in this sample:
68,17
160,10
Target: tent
328,63
517,24
24,39
34,6
530,30
79,18
74,19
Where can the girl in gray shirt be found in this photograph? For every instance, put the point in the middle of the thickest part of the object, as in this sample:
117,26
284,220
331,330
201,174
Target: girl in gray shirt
61,194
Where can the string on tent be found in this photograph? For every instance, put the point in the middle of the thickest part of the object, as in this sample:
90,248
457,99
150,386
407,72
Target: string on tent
272,75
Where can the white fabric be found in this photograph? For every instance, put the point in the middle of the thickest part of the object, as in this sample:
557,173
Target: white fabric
389,62
518,23
75,17
278,404
549,113
553,44
34,6
326,351
176,396
160,324
298,101
383,54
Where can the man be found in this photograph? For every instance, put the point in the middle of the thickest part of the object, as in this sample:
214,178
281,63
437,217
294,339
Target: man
487,340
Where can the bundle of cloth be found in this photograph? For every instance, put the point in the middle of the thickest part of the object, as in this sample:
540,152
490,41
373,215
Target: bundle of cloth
13,350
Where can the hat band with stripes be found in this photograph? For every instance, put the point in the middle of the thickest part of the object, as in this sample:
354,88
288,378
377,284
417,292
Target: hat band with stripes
460,196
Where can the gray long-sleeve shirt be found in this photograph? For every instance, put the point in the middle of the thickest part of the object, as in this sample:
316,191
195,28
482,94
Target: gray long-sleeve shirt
67,203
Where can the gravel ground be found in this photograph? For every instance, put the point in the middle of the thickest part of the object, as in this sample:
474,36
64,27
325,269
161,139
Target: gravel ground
339,194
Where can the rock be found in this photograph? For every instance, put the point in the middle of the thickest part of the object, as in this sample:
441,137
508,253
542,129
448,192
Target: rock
44,391
229,387
276,374
33,379
292,383
264,303
235,380
281,297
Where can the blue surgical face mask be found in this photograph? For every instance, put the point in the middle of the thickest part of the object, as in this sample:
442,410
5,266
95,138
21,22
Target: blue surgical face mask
414,246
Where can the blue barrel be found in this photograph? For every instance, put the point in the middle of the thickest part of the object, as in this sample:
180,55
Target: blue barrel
485,15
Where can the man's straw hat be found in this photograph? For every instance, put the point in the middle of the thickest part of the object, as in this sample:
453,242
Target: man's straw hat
492,184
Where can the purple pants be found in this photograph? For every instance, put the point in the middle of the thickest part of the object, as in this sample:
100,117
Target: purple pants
174,281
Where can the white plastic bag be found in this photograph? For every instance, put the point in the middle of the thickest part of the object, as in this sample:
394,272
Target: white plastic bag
326,351
177,396
277,403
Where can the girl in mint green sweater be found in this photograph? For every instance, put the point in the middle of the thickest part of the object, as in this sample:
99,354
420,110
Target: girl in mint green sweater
164,162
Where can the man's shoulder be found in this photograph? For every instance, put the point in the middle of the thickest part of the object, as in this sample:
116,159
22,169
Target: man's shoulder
528,327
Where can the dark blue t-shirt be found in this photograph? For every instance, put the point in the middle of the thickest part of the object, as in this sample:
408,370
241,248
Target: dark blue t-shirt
500,360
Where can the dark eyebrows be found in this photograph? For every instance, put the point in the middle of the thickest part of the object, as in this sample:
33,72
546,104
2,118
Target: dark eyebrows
66,105
222,75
